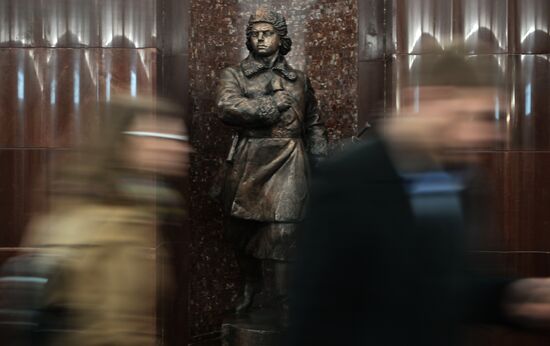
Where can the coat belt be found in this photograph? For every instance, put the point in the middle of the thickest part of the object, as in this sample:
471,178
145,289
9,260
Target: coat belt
273,133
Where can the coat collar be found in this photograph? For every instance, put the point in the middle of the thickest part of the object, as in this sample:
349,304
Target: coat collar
251,66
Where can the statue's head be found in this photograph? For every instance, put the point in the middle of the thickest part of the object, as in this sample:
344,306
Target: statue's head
266,33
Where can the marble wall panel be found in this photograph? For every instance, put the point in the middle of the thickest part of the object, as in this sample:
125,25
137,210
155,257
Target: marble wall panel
127,71
173,311
71,93
173,26
521,81
532,26
427,26
21,116
5,32
59,59
10,205
421,26
20,195
371,93
517,210
324,34
331,48
173,81
372,29
531,114
21,23
127,23
68,24
408,71
78,23
482,25
215,279
49,95
172,62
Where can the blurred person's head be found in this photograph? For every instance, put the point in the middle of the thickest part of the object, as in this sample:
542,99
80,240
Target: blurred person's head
157,144
134,141
449,107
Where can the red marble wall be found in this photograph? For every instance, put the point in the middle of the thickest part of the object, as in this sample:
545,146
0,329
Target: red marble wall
324,34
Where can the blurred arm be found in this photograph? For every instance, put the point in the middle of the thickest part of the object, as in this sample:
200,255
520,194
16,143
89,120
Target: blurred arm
527,303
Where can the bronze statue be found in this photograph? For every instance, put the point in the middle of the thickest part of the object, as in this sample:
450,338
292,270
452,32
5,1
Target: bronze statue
279,137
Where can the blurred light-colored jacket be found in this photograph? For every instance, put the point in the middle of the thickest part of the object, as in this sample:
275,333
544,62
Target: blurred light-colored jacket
106,276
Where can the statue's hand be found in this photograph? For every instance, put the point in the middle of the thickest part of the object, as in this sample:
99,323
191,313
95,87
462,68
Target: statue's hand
283,100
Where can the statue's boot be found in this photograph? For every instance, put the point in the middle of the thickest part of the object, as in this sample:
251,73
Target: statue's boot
281,273
251,269
247,298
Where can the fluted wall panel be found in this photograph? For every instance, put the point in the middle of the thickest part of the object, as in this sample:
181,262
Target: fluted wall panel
78,23
532,29
48,95
482,26
421,26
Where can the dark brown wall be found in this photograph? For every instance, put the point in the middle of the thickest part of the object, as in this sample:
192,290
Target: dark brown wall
58,60
511,36
373,60
173,24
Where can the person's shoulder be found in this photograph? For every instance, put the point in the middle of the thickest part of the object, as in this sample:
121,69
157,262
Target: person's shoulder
363,159
354,153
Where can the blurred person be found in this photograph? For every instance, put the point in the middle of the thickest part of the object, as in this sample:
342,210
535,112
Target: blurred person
93,275
382,254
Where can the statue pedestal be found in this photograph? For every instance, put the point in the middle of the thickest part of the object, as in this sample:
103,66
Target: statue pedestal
257,328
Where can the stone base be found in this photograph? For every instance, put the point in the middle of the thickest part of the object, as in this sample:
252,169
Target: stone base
260,328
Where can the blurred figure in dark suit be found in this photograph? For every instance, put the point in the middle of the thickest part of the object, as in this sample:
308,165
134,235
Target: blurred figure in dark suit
382,253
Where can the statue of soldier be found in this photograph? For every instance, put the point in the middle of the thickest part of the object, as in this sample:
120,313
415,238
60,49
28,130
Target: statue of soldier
279,137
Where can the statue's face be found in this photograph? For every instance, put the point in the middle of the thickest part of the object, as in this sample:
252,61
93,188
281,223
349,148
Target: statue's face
265,41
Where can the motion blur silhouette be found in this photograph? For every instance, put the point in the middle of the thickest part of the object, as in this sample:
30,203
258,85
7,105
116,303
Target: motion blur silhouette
382,253
90,272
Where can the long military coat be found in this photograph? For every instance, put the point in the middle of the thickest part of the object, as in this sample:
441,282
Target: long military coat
268,175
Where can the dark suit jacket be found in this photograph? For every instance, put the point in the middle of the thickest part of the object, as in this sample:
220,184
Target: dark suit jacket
370,272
